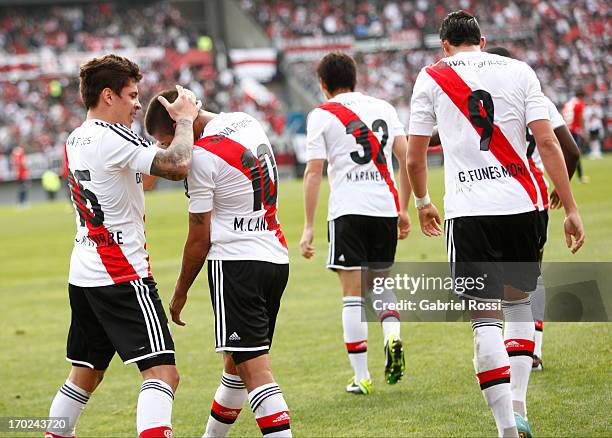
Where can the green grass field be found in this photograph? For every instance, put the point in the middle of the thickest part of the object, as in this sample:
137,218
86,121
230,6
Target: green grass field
438,397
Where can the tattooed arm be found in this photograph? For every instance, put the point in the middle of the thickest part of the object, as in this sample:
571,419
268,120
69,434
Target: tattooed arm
194,254
173,163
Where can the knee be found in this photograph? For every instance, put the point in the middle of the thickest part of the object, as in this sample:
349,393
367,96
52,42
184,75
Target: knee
166,373
86,378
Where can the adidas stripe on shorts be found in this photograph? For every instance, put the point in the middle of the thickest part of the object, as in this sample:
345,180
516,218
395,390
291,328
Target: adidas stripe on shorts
127,318
246,297
355,240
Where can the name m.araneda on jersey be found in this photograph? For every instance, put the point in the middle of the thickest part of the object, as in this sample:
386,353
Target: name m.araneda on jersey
492,172
362,175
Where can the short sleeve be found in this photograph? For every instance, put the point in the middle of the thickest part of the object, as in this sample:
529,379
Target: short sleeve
556,119
122,148
315,135
422,115
397,128
201,182
535,102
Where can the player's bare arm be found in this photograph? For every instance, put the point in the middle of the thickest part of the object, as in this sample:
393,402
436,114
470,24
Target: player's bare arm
312,185
400,146
552,157
571,154
173,163
416,164
195,251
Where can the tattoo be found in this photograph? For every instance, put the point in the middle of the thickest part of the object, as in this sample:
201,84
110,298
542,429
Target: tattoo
196,218
173,163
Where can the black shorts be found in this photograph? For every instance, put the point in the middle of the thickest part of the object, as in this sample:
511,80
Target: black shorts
127,318
488,252
356,240
543,228
246,298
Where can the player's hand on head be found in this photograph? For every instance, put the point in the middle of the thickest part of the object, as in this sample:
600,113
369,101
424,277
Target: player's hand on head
306,247
404,225
430,220
555,201
177,302
573,229
186,106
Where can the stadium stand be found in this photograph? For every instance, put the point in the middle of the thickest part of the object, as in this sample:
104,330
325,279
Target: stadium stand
40,47
40,102
566,42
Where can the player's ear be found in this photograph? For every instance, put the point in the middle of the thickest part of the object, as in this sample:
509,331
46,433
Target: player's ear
483,42
106,96
445,47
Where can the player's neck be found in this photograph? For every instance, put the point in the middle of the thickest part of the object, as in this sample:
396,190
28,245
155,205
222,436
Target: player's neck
204,117
453,50
333,94
101,114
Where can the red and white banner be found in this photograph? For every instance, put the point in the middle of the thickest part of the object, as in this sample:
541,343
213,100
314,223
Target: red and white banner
313,48
259,64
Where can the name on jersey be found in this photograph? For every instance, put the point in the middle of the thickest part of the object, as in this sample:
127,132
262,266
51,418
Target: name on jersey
366,175
107,238
511,170
230,129
479,64
78,141
250,224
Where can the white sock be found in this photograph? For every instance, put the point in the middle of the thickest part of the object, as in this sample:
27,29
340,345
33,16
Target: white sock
493,372
356,335
271,411
538,337
69,402
518,335
389,319
229,399
154,410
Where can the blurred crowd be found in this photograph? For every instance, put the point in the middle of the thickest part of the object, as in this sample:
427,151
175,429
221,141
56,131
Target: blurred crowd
570,51
571,48
94,27
39,114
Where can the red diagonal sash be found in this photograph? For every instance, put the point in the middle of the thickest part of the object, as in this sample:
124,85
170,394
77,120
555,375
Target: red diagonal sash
346,116
231,152
458,92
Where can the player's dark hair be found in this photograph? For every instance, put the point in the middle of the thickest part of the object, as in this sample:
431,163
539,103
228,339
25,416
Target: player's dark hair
501,51
338,70
579,92
157,120
460,28
110,71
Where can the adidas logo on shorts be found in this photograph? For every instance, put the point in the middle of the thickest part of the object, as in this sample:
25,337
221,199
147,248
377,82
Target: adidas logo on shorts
341,258
234,337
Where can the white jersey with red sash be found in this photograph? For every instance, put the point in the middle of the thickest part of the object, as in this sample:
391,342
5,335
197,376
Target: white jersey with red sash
533,155
105,163
355,133
482,104
234,175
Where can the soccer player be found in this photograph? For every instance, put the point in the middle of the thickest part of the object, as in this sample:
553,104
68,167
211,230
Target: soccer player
573,113
571,155
113,296
357,135
491,200
232,188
